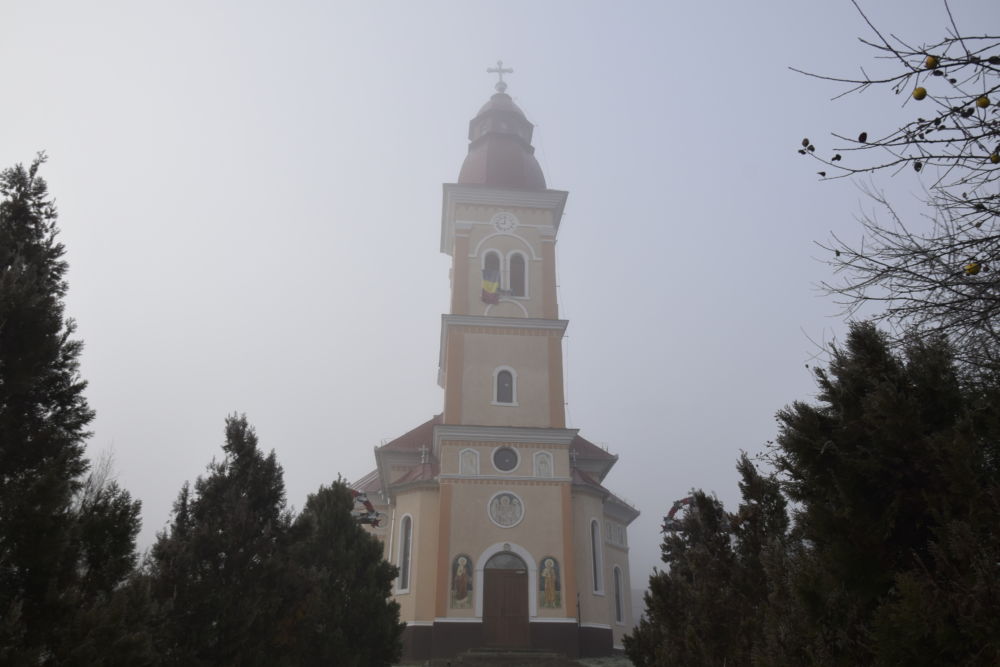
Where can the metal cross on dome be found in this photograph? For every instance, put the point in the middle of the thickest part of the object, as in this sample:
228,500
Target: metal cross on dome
500,70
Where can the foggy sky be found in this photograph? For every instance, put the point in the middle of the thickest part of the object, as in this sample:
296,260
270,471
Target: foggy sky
250,196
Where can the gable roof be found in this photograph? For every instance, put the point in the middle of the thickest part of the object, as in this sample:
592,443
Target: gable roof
414,439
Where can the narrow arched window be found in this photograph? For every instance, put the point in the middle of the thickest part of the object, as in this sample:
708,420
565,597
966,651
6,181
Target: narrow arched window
405,545
492,262
595,551
505,387
619,603
491,277
518,285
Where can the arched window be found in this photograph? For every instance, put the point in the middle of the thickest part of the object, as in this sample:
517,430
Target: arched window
596,557
491,262
619,602
504,386
405,546
491,277
517,275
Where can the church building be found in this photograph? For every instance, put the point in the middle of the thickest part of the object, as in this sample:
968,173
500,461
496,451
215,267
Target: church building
494,511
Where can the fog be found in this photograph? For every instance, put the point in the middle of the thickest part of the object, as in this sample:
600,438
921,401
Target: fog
250,197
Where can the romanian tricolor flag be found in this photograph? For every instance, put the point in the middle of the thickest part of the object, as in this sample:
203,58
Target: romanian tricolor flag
491,286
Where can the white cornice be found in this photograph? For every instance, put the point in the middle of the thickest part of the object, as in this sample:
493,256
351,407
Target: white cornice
504,322
505,478
538,436
457,193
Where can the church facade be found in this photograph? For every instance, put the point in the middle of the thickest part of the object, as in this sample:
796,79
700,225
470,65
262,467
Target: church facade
494,511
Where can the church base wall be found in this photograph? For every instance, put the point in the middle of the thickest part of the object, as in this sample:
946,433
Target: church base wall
556,637
450,639
444,640
595,641
417,642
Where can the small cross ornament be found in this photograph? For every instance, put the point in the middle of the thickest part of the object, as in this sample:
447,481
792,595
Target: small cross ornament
500,70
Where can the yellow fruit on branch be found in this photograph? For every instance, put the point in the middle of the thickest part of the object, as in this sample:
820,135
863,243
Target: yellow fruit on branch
983,102
919,93
932,62
972,268
995,158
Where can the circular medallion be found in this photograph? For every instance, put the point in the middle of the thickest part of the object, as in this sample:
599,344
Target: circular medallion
506,509
505,459
504,221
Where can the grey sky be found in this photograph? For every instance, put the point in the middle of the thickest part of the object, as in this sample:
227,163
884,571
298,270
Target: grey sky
250,196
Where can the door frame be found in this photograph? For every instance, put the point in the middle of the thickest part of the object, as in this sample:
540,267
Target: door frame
491,551
505,629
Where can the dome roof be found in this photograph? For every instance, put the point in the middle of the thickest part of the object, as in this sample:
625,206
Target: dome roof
500,151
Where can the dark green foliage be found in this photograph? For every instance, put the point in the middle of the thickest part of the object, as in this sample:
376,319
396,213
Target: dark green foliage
220,574
348,582
62,550
709,607
893,557
234,581
892,475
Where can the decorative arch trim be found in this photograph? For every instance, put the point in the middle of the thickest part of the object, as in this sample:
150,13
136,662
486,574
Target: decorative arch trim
504,299
494,549
520,238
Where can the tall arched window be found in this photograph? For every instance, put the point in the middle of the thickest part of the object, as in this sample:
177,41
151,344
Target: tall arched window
491,262
596,557
491,277
405,546
505,387
619,602
518,275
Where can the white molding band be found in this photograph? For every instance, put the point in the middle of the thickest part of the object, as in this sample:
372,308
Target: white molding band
511,434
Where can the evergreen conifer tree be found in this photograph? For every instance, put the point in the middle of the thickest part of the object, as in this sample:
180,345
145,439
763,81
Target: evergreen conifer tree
353,621
220,574
895,478
62,550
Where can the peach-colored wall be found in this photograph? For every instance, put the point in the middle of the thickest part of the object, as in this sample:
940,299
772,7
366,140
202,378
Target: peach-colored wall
616,556
422,505
593,605
528,356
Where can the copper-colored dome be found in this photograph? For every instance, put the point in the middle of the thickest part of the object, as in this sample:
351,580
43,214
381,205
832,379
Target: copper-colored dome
500,151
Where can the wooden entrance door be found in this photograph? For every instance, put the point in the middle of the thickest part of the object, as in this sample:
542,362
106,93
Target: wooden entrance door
505,608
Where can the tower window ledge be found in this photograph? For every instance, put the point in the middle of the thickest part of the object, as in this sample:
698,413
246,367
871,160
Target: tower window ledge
505,405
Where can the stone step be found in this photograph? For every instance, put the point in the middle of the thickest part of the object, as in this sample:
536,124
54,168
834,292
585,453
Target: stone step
505,658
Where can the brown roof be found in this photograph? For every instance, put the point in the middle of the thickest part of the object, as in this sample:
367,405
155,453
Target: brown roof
414,439
500,151
369,483
589,450
419,473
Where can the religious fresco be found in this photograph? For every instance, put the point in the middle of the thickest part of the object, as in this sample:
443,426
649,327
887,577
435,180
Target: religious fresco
468,462
461,582
549,586
543,464
506,510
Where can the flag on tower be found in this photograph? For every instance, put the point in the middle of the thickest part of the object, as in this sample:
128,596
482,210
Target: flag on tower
491,286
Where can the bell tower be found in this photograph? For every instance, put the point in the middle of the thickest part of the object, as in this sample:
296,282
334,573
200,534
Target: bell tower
501,344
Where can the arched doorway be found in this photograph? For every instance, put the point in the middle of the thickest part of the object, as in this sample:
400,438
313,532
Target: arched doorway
505,601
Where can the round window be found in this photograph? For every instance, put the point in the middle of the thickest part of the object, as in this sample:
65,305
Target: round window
505,459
